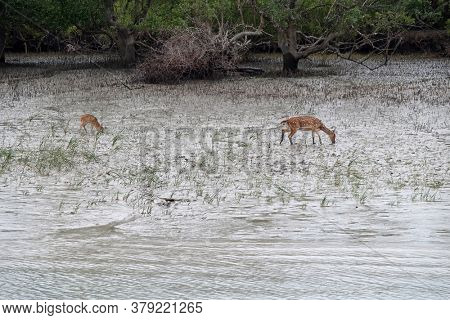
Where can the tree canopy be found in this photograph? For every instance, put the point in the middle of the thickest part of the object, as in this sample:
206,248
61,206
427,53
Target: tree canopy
34,24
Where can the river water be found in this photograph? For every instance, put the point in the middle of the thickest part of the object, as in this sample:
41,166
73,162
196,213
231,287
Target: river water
189,195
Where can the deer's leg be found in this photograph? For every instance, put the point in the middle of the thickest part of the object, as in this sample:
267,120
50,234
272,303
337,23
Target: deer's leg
293,131
283,131
312,133
83,125
320,139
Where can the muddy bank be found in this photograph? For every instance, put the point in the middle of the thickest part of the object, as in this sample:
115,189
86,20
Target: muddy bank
188,193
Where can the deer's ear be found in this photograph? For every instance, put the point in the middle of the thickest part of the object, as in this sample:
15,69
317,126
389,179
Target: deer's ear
333,129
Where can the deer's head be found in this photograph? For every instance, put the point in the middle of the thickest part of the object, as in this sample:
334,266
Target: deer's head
333,135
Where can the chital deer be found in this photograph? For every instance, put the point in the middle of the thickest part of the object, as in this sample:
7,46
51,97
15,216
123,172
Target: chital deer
89,118
305,123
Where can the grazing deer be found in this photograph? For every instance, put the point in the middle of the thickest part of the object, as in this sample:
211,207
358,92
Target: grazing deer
305,123
89,118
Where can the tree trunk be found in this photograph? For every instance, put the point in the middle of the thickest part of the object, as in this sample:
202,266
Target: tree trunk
2,44
126,44
287,42
434,4
290,63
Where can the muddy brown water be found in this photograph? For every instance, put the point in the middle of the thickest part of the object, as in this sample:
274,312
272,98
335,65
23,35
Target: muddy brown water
189,195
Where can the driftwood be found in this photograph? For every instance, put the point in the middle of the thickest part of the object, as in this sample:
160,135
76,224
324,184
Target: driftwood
249,70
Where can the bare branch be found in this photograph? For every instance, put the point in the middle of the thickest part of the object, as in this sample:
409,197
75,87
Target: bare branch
386,51
320,45
194,53
245,34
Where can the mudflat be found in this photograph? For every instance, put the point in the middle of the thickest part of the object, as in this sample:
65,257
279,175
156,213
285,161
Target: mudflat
188,194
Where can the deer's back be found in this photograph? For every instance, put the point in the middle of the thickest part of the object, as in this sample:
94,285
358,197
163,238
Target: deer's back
304,122
88,118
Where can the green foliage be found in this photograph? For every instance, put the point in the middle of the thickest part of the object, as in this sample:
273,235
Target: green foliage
166,15
423,13
315,17
88,14
169,15
6,155
54,15
34,19
318,16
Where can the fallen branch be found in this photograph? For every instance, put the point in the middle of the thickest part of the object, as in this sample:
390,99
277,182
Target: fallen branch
249,70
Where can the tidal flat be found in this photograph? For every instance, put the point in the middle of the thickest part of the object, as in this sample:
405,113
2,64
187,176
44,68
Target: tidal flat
188,193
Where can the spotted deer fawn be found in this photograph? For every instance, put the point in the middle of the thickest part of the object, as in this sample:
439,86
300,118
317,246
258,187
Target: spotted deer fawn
89,118
305,123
